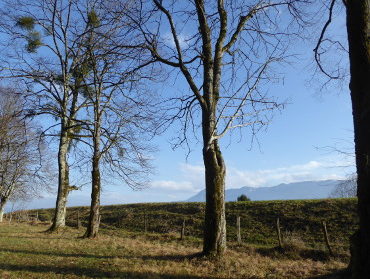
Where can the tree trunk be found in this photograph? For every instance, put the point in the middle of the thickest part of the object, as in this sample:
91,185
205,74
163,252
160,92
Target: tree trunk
1,212
93,225
358,28
3,201
94,219
63,182
214,243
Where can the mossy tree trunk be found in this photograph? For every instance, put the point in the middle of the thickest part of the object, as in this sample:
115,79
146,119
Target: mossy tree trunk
94,220
214,239
63,180
93,225
214,242
218,46
358,28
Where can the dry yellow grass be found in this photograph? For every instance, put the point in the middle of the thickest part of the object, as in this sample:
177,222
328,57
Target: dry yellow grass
27,252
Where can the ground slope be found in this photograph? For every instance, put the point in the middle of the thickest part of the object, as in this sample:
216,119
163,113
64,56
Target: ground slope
298,218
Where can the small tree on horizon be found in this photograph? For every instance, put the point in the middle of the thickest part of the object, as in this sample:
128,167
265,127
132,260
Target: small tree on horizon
346,188
243,198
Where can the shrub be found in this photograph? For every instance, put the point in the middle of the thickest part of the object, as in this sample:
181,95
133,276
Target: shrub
243,198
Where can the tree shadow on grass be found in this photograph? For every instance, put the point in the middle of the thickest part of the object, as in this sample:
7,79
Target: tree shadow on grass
39,237
299,253
175,258
93,272
341,274
54,253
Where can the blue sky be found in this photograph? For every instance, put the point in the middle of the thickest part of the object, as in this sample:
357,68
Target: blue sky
296,146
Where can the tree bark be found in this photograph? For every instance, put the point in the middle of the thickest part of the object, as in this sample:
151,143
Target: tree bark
93,225
358,28
214,243
63,181
94,219
1,212
3,201
214,240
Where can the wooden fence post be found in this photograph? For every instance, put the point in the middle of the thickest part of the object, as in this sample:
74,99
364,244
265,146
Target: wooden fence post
238,235
279,232
145,223
37,216
326,238
182,230
78,220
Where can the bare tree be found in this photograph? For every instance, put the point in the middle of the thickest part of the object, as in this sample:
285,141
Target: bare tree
117,120
358,26
346,188
225,51
43,50
20,153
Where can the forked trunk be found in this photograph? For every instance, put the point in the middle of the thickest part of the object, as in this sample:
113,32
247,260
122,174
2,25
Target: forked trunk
63,183
214,243
358,28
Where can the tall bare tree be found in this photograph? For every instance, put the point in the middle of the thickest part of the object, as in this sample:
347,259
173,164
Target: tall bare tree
358,28
118,118
224,51
20,152
43,51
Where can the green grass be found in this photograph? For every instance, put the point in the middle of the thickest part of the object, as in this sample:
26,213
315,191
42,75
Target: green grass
298,218
26,251
124,251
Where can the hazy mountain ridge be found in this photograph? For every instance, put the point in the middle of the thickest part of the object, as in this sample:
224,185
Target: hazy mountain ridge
285,191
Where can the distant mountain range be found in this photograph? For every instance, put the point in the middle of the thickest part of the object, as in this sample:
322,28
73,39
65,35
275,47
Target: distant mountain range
290,191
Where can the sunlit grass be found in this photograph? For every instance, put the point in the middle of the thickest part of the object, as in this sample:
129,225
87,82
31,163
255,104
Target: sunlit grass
258,219
27,252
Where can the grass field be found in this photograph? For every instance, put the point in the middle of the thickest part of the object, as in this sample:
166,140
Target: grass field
27,252
298,218
123,250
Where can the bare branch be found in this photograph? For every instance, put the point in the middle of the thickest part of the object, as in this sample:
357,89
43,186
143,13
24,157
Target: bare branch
320,40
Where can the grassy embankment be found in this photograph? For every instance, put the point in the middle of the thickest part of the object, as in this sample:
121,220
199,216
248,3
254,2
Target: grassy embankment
123,251
298,218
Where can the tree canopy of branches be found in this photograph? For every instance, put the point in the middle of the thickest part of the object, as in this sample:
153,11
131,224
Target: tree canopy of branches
20,153
72,57
346,188
43,51
118,118
225,52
